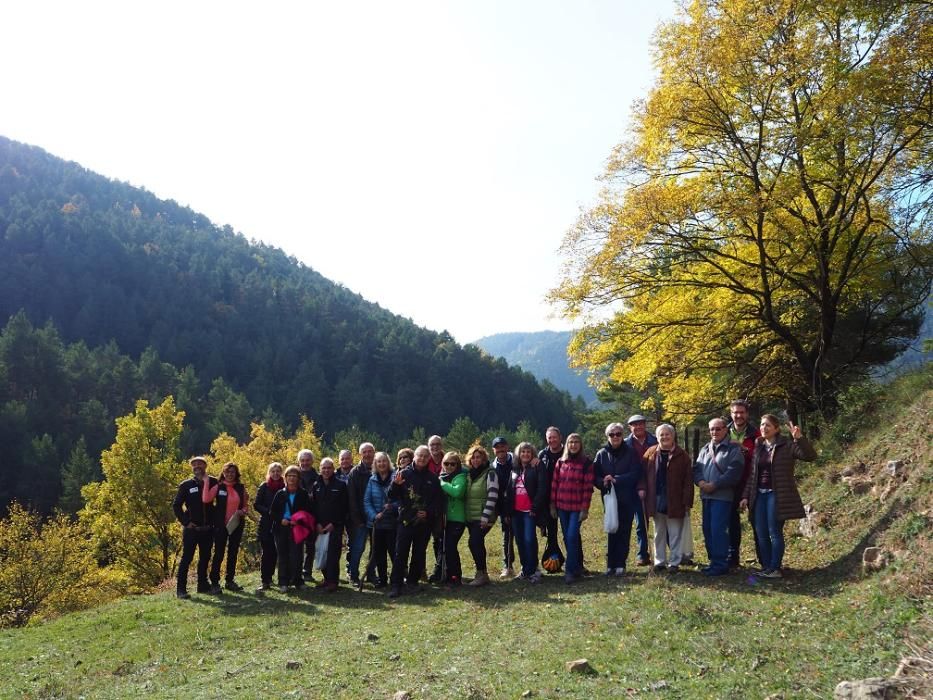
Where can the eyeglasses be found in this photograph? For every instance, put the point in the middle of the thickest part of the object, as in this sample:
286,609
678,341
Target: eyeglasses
615,434
451,464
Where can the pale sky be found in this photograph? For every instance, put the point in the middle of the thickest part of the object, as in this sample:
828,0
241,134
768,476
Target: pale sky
428,155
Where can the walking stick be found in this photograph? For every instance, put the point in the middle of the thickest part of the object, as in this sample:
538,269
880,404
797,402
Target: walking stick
443,549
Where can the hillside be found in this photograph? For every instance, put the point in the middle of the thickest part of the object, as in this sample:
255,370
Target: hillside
544,354
105,261
645,635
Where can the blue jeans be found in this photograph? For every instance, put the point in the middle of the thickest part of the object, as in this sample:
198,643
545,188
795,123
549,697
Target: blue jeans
526,537
356,544
769,531
570,525
716,533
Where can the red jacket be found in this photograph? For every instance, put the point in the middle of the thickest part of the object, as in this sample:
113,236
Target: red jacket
572,484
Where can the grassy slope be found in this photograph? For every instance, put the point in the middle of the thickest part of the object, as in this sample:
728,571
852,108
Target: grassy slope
653,635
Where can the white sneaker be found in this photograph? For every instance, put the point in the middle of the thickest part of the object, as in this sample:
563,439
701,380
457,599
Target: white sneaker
507,573
620,571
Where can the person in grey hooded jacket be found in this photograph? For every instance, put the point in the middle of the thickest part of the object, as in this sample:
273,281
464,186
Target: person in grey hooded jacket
717,472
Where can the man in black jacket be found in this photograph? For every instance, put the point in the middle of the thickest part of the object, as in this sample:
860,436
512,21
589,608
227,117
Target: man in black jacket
549,456
356,527
307,476
197,533
331,508
418,493
503,466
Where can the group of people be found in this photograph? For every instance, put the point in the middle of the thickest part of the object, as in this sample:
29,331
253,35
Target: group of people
431,496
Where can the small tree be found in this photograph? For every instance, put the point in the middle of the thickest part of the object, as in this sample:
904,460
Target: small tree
46,569
130,511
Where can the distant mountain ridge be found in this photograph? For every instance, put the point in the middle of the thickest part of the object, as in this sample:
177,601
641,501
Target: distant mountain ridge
103,260
544,354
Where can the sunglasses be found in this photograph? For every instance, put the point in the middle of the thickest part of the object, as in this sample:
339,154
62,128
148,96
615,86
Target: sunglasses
615,434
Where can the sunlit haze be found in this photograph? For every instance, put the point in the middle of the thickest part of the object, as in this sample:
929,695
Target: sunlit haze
428,155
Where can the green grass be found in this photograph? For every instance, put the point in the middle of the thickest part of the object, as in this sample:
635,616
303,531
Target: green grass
646,635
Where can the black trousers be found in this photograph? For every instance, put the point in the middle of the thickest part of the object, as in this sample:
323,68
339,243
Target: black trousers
452,534
229,544
383,551
309,556
410,539
508,545
332,563
477,544
194,539
269,557
289,557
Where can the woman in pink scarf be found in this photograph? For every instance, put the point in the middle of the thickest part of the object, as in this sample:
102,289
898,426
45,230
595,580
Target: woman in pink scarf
230,509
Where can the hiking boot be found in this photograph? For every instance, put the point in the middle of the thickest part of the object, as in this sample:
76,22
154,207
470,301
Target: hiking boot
233,586
643,561
535,577
660,567
771,573
182,595
395,592
481,579
283,589
687,561
507,573
215,589
673,569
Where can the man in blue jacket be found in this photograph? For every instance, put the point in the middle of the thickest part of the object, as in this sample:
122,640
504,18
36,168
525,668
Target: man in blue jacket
717,472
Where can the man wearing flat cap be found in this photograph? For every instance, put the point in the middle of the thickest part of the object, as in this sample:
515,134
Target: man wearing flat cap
640,440
195,518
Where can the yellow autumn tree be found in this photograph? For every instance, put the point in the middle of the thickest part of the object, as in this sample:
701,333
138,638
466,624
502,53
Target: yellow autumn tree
47,568
765,229
130,512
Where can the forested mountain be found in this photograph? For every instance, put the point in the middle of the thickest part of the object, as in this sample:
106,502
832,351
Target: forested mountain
105,262
544,354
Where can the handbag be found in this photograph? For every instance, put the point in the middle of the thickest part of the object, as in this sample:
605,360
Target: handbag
611,506
320,551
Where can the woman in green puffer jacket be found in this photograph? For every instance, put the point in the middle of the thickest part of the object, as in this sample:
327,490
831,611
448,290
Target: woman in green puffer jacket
453,484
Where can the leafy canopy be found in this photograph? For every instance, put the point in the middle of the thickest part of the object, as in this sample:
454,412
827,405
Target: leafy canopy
765,230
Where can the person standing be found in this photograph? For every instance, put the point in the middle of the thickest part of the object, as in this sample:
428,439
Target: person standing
528,502
618,468
453,484
482,493
716,472
771,493
503,466
330,505
286,504
381,517
640,440
549,456
436,467
744,434
262,504
230,508
669,496
356,524
418,493
308,476
196,518
571,493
